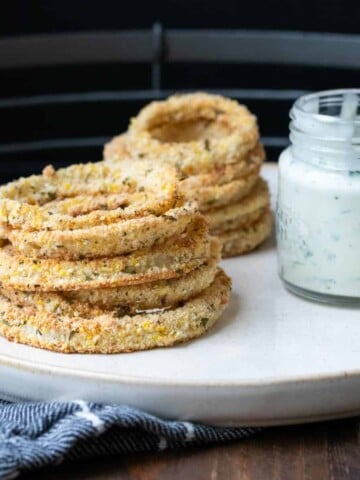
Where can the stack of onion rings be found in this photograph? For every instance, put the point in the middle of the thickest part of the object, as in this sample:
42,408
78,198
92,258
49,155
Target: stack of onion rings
105,258
214,142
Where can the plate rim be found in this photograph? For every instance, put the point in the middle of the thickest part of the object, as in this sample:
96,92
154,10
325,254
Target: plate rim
37,367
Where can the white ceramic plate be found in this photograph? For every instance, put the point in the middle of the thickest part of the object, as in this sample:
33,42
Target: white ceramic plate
272,359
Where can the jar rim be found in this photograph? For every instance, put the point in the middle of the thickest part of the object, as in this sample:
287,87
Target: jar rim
325,127
306,106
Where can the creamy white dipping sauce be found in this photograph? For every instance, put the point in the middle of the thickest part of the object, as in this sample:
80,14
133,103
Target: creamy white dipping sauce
318,208
318,221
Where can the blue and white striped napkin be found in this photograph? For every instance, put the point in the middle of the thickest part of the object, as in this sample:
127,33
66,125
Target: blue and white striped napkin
34,435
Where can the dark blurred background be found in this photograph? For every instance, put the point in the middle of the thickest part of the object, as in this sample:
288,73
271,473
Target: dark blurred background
35,16
61,130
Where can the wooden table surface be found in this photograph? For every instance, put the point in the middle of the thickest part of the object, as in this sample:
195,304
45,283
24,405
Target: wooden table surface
320,451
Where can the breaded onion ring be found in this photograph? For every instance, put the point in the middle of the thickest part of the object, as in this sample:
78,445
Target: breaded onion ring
220,175
218,195
133,189
171,259
129,299
109,333
104,240
115,149
246,211
237,242
208,188
243,222
196,132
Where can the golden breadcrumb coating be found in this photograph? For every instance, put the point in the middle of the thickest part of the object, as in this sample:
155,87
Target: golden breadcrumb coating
129,298
195,132
171,259
236,242
231,216
111,332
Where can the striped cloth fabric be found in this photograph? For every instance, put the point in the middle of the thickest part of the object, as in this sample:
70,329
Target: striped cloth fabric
34,435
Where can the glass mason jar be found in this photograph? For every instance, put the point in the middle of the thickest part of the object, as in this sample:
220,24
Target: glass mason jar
318,204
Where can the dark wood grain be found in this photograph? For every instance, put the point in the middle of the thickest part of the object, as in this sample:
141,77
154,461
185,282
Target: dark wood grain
320,451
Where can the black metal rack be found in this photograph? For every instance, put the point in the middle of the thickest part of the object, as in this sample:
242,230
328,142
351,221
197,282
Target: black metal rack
40,125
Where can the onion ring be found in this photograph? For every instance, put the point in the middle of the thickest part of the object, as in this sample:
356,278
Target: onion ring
218,195
237,242
242,222
104,240
134,188
194,131
109,333
171,259
227,173
115,149
130,299
234,215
